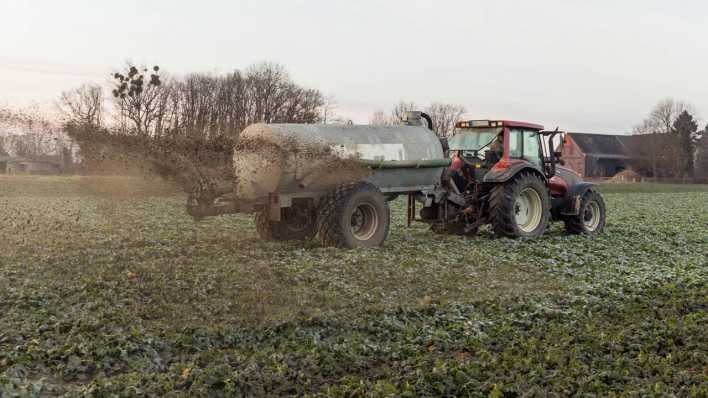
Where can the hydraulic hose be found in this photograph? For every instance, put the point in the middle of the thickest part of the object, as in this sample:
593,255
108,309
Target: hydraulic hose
427,119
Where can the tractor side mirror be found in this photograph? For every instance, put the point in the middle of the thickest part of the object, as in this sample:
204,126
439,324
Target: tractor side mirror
558,152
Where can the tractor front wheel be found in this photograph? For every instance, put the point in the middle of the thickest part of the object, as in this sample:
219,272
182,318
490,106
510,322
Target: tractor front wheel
520,208
591,218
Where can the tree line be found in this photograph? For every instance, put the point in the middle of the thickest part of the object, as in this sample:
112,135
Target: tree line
199,105
207,105
32,133
670,143
203,112
181,128
444,116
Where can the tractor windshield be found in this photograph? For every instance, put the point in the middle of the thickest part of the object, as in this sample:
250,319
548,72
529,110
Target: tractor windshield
473,140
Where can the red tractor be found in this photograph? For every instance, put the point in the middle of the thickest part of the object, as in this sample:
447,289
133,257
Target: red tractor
506,174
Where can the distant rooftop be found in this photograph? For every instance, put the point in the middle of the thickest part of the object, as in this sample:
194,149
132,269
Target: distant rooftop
599,143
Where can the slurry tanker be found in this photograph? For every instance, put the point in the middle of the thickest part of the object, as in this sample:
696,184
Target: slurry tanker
336,181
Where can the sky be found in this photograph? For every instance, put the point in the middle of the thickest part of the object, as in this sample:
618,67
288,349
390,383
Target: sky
591,66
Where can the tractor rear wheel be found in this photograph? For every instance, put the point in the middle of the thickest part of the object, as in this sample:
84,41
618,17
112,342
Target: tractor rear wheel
520,208
296,223
591,218
354,215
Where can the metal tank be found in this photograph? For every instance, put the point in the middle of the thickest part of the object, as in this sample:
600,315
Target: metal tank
299,159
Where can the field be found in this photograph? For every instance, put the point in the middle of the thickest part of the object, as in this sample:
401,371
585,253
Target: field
108,288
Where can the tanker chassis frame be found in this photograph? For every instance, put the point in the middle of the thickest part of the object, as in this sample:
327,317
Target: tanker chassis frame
300,215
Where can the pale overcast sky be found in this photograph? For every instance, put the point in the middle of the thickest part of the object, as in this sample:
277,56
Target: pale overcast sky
584,65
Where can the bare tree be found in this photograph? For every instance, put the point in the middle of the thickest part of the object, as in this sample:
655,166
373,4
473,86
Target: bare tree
208,106
32,144
665,113
30,131
139,100
400,108
199,106
83,105
444,117
329,108
3,145
272,96
658,144
379,119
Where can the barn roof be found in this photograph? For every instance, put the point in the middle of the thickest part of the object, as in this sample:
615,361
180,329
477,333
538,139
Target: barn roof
602,145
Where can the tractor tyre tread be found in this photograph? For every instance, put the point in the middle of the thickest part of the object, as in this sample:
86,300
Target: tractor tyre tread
265,228
279,231
334,204
501,205
575,225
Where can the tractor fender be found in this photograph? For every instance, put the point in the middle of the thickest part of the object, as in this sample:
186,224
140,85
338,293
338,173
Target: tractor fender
510,172
569,205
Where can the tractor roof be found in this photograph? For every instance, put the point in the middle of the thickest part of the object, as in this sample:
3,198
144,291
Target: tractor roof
497,123
525,125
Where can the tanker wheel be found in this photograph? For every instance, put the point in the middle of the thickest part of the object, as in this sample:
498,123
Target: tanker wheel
354,215
296,223
591,218
520,208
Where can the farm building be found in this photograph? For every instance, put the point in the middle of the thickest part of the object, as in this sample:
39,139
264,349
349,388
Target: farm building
598,155
20,165
7,160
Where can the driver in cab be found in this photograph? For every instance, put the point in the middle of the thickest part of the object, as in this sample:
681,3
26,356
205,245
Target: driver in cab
495,152
463,169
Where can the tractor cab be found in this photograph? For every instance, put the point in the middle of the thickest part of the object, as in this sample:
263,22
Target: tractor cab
506,174
495,149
